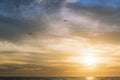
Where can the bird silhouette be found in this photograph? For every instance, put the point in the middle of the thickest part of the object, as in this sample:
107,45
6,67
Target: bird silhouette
65,20
30,33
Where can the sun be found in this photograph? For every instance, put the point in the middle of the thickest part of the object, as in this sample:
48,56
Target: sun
87,61
90,60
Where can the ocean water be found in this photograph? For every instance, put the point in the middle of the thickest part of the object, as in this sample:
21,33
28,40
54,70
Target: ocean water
59,78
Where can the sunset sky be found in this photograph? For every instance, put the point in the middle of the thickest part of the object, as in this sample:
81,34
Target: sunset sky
59,38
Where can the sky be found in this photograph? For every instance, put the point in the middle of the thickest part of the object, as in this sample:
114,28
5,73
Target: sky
59,38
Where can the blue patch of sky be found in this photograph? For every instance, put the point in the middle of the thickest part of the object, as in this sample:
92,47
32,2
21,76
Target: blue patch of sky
104,3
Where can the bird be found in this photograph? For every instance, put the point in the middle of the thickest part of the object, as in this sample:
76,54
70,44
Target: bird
65,20
30,33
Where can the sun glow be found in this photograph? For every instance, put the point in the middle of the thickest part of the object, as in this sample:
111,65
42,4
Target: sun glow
90,78
90,60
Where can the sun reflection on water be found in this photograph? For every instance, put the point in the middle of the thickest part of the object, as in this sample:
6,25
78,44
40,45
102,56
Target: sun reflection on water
90,78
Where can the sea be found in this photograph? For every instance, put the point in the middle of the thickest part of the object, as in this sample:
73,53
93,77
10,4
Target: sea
59,78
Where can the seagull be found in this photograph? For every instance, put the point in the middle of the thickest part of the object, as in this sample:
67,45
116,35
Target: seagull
65,20
30,33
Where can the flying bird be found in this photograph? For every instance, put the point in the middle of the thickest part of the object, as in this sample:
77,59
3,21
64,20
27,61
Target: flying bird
65,20
30,33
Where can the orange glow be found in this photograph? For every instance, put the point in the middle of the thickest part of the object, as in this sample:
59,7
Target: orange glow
90,78
90,60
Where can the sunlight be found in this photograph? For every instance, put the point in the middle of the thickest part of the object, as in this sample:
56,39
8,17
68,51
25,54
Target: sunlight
90,78
87,61
90,60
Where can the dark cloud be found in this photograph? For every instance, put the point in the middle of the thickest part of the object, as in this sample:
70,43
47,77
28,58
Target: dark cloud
19,18
15,7
15,69
34,70
104,13
7,52
13,29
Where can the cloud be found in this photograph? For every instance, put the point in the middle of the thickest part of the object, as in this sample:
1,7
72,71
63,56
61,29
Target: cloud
35,16
19,18
60,30
94,20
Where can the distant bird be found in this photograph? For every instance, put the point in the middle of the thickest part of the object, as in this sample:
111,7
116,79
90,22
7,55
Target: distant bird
30,33
65,20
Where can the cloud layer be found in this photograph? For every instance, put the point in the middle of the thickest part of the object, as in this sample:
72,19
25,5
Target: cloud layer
38,37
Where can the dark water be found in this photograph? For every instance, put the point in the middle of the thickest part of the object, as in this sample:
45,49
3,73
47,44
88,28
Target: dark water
56,78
